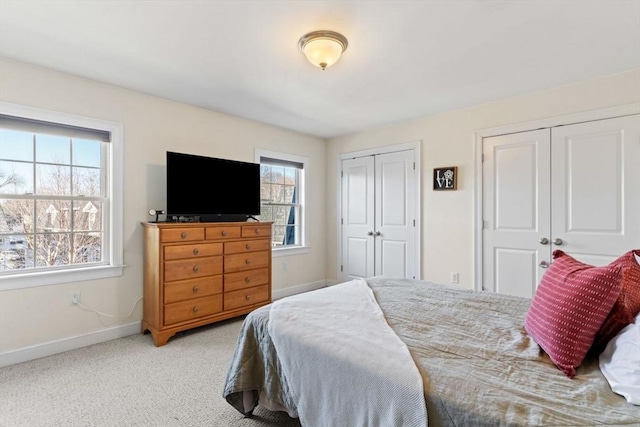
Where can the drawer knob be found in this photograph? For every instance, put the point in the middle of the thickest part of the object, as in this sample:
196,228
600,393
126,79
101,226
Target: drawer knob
257,231
184,235
196,268
224,232
196,251
248,261
248,297
196,289
248,246
247,279
195,309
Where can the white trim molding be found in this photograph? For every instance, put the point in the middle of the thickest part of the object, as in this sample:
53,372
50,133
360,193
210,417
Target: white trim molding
298,289
50,348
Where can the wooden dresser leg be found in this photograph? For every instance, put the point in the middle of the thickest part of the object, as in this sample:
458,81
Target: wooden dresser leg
161,338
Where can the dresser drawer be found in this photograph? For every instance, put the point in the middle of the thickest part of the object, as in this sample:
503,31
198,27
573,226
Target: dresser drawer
192,309
244,297
256,230
245,279
185,234
248,261
187,289
223,232
192,268
246,246
192,251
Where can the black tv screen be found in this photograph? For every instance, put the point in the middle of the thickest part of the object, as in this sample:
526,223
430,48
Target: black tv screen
211,189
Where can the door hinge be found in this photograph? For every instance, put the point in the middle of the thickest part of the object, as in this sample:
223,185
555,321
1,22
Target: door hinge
483,158
340,269
414,222
414,165
484,224
341,174
341,221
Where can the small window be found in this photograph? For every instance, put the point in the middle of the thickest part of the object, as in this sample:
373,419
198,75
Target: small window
282,197
56,191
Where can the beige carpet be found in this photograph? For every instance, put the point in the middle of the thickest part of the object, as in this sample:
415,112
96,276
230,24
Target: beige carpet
130,382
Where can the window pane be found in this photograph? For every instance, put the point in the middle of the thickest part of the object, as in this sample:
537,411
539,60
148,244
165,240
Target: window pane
16,145
277,174
278,235
87,248
277,193
53,149
288,194
86,182
53,216
266,213
53,249
86,153
290,176
88,216
53,180
16,177
17,215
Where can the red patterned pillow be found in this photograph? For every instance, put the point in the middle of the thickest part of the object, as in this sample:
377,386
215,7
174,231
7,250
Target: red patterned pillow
568,308
626,307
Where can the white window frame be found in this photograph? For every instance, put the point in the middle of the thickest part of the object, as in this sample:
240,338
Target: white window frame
303,246
113,232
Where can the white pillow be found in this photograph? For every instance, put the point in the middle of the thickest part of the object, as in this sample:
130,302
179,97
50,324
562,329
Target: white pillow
620,362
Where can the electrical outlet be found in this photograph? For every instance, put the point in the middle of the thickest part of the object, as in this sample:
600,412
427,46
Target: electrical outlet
285,265
75,297
455,278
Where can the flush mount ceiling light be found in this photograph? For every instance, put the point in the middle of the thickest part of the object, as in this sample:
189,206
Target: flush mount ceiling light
323,48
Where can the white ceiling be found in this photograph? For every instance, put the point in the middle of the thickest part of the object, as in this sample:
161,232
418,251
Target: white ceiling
406,59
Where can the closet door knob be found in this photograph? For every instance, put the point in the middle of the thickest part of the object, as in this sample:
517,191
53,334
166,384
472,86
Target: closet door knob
558,242
378,233
544,241
544,264
370,233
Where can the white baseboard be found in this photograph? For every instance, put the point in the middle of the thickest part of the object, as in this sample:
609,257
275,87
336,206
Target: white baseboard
298,289
59,346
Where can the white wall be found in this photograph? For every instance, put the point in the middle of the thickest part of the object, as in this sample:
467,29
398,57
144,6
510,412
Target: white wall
448,140
42,316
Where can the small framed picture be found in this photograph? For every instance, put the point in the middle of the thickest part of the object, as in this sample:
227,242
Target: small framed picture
445,178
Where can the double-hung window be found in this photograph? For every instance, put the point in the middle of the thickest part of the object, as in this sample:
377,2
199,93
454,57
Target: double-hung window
60,200
282,195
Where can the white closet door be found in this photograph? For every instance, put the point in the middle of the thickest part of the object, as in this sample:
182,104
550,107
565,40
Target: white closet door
394,214
574,187
516,211
358,218
596,188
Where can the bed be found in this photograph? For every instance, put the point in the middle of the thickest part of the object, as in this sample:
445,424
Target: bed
477,364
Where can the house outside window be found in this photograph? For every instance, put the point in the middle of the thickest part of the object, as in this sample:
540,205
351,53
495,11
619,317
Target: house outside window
282,199
60,200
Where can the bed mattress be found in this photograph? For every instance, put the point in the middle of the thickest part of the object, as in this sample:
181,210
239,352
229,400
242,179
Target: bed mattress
478,365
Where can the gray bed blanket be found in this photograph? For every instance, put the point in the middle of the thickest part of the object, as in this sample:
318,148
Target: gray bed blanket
479,367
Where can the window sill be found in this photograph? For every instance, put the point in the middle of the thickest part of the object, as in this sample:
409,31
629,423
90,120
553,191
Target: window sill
46,278
294,250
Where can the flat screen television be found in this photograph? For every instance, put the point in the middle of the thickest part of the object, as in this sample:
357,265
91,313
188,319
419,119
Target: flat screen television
205,189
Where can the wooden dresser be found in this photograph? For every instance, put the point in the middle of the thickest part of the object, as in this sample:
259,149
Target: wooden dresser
200,273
